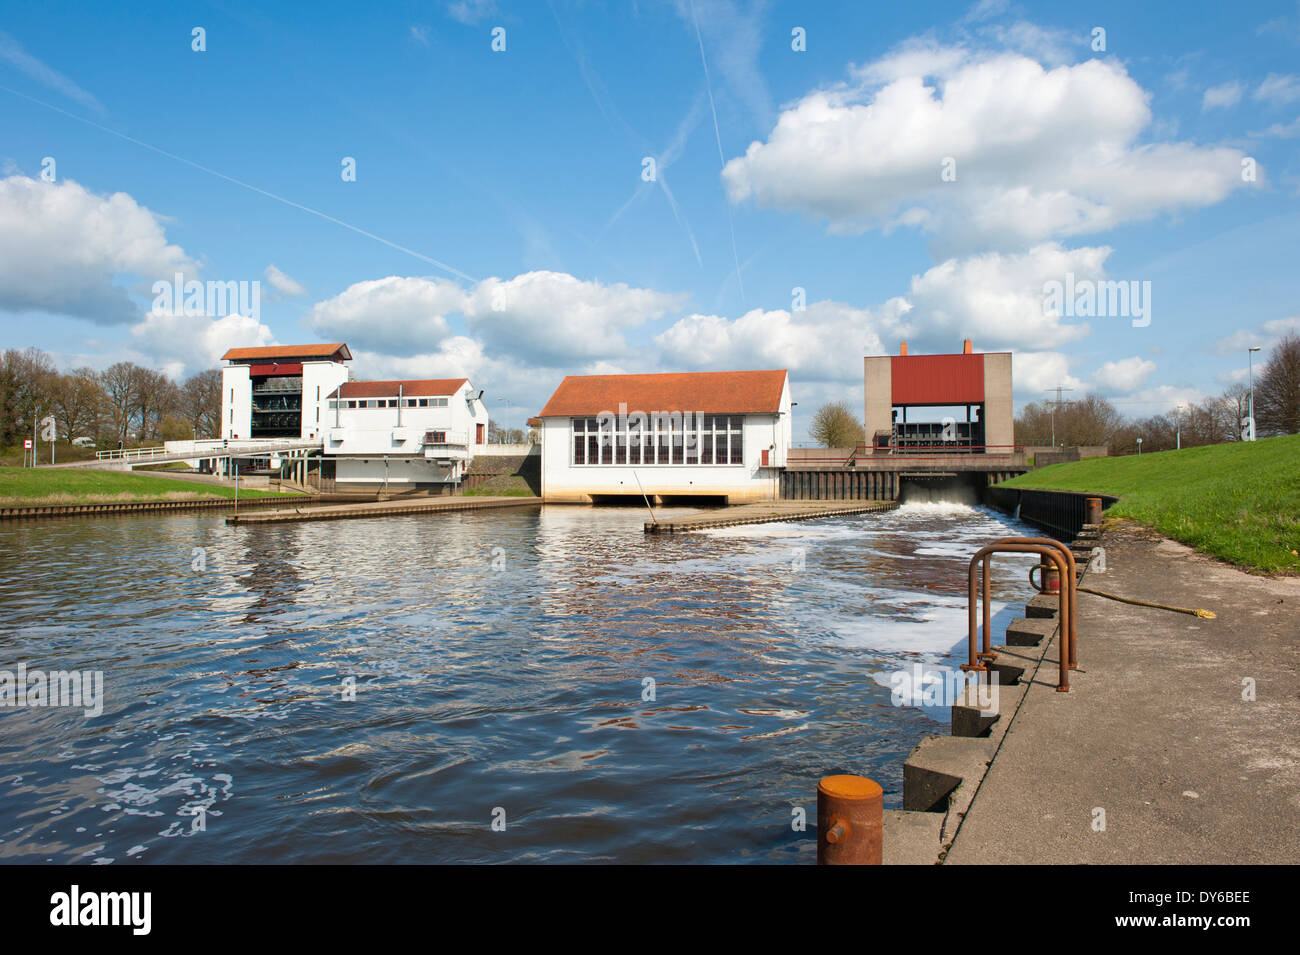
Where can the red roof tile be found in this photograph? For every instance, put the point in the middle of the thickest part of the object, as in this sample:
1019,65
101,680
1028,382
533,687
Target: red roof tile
709,392
411,388
264,352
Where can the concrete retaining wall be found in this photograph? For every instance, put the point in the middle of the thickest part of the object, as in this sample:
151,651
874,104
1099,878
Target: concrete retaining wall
1045,456
519,460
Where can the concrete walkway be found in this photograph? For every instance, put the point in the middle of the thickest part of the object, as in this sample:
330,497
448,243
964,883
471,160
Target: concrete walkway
764,513
1155,731
329,512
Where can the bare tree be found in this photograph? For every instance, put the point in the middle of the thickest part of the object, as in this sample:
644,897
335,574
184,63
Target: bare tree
1236,404
1092,420
1277,391
835,426
156,396
200,403
121,383
78,404
27,379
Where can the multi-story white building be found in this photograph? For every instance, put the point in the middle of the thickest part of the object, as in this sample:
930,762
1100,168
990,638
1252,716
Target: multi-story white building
412,433
408,433
703,434
279,391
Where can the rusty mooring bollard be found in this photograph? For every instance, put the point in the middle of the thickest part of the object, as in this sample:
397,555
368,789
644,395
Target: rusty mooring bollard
850,814
1049,578
1093,505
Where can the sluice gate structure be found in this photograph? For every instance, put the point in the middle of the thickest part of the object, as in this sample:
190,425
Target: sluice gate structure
818,474
933,424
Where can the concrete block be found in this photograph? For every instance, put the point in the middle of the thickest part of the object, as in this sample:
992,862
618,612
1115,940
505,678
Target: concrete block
1014,662
942,773
976,710
911,838
1027,632
1042,607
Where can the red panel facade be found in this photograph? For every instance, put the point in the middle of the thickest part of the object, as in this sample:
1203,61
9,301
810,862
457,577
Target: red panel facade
937,379
279,368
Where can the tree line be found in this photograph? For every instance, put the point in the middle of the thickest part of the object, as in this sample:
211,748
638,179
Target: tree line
1217,420
1093,420
125,402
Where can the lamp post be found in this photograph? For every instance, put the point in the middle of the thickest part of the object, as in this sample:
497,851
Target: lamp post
1178,428
1250,365
501,427
1139,447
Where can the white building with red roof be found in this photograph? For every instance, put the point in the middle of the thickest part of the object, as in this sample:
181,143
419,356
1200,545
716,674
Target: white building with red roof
405,433
713,434
278,391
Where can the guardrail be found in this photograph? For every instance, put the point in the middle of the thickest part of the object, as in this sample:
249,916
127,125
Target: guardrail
982,453
128,454
450,439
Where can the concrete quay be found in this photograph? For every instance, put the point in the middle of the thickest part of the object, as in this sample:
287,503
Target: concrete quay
763,513
1178,743
428,505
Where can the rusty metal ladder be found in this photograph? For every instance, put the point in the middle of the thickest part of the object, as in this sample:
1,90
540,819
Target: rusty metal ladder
1048,550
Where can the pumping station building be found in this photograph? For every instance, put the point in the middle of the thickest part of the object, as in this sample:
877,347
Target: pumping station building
933,424
972,390
720,435
296,407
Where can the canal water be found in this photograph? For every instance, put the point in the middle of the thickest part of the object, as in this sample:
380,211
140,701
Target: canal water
497,686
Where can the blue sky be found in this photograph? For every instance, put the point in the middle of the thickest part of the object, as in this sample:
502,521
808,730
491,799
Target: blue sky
499,224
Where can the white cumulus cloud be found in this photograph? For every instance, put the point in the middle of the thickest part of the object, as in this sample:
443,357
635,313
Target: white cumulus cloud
64,248
1037,153
185,344
395,315
555,319
549,319
1127,374
824,342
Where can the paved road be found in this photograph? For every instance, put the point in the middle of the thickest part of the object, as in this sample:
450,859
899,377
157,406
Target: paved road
1155,730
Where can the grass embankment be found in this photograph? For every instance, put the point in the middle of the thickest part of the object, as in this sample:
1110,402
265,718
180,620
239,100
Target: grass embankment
523,491
1239,502
503,485
21,487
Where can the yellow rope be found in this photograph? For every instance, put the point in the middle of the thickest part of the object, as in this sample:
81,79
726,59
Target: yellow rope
1204,614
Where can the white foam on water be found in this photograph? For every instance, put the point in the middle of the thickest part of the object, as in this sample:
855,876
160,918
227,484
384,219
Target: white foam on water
939,630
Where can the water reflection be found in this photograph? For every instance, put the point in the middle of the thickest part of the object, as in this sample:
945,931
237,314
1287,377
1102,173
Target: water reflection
608,691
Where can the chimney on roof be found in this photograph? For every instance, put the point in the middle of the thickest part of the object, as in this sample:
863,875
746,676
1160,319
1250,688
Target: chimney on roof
902,350
966,347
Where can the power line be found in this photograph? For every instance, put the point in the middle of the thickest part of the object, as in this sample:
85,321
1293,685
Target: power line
1059,389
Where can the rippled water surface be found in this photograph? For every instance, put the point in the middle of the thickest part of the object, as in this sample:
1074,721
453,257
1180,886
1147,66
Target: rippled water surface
500,662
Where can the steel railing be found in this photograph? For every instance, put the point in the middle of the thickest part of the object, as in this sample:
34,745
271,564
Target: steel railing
985,452
1048,550
126,454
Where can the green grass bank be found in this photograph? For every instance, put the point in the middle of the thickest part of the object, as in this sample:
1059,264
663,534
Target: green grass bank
32,486
1239,502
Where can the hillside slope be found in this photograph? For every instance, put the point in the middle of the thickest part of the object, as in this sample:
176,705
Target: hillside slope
1240,501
